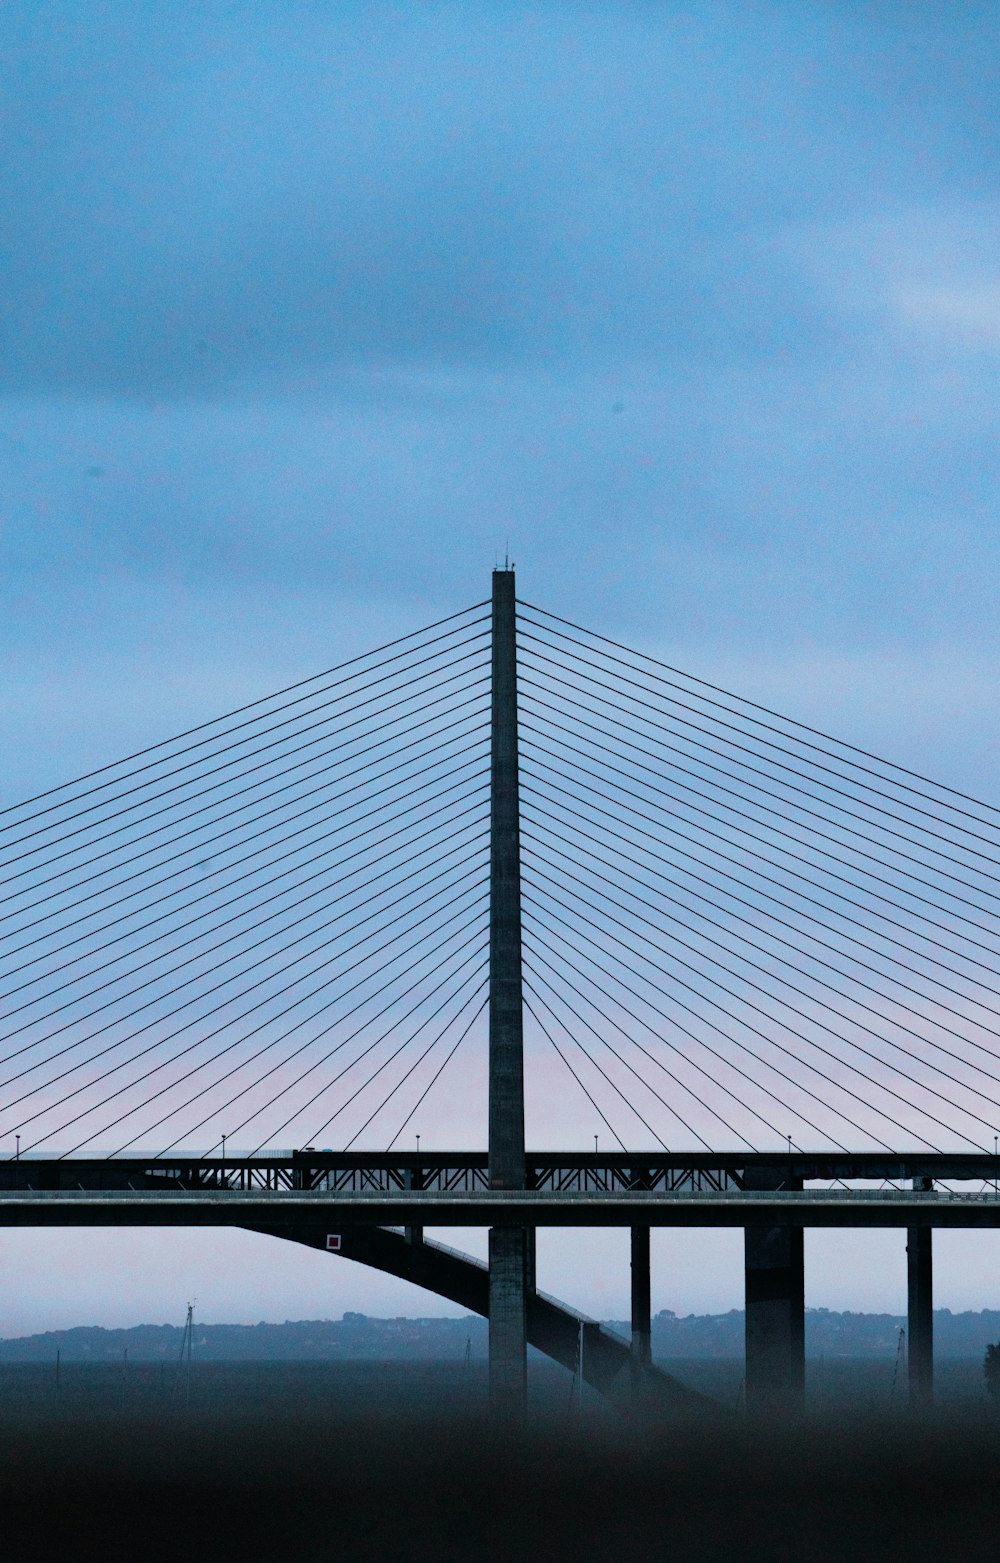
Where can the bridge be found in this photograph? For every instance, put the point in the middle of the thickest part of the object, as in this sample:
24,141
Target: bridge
504,872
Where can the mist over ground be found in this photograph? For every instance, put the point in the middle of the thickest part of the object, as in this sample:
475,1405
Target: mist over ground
391,1466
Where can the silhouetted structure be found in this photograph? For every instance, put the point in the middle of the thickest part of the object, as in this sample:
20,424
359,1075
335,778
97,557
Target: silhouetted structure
729,927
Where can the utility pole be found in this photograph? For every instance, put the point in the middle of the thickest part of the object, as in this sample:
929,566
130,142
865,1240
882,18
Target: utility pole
509,1246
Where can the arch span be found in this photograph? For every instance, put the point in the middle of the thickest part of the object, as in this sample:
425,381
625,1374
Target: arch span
553,1328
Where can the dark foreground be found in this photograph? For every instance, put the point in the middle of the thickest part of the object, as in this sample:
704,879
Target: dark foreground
397,1462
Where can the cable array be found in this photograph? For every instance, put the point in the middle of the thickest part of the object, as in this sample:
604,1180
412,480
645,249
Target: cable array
739,931
275,923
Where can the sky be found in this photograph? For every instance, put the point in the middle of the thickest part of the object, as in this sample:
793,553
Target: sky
312,314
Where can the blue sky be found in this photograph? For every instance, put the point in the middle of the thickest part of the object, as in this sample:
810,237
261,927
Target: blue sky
311,311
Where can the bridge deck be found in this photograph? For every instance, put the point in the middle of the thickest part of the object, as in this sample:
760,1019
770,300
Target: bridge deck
837,1207
466,1172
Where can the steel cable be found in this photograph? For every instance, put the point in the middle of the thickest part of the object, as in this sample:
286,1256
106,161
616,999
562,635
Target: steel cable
210,950
588,1002
624,695
188,732
764,808
821,982
766,1014
251,911
415,1066
604,1119
664,822
201,846
802,726
214,1083
198,1042
383,1066
560,998
601,1071
778,831
418,786
178,1009
436,1077
822,1025
189,790
430,933
545,906
699,1041
529,794
209,894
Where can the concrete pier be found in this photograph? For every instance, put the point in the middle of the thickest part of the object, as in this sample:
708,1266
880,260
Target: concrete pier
642,1341
508,1324
920,1310
775,1312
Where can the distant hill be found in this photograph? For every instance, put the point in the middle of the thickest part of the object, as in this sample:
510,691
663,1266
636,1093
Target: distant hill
357,1337
828,1334
354,1337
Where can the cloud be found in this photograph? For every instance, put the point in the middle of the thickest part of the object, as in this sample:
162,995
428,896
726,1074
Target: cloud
918,276
966,316
199,197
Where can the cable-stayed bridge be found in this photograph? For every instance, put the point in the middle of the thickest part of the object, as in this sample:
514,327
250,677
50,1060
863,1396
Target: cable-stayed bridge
505,883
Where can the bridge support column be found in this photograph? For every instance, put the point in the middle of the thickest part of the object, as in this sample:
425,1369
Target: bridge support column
508,1323
920,1312
642,1341
415,1234
775,1312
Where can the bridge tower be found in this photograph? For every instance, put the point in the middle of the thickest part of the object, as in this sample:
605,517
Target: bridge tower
511,1249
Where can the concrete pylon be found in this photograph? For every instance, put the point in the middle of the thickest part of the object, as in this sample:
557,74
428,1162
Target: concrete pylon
775,1309
511,1256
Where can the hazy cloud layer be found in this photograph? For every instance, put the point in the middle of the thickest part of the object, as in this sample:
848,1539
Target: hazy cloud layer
705,302
199,195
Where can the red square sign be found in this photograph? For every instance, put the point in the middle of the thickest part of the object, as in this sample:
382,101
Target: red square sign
333,1242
